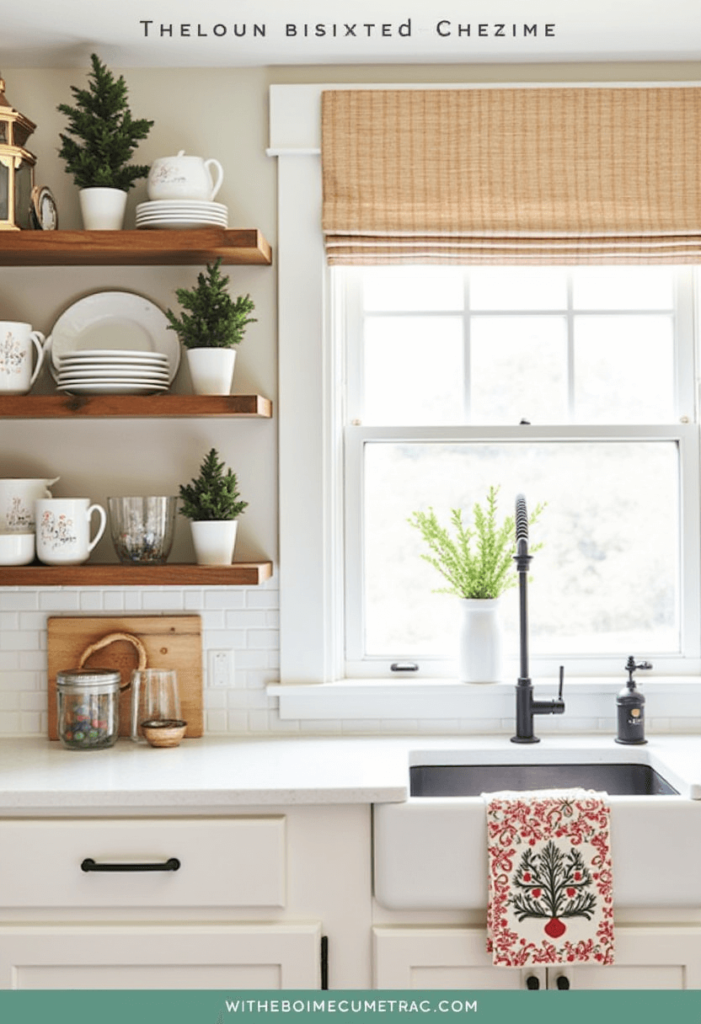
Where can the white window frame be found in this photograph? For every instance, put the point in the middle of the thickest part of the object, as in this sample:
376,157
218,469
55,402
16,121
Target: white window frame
311,457
346,292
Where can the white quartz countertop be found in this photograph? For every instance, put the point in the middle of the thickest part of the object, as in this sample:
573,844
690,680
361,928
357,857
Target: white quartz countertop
213,774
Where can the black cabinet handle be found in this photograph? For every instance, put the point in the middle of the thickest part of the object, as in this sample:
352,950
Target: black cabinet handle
562,982
532,982
172,864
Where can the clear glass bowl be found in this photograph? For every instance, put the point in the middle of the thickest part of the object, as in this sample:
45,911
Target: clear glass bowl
142,528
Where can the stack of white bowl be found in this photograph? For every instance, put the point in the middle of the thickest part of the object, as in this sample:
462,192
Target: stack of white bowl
181,190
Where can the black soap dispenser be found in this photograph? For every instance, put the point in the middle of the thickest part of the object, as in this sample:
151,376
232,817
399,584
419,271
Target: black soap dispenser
630,705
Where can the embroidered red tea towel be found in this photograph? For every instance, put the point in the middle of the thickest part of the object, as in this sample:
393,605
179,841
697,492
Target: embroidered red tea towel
550,894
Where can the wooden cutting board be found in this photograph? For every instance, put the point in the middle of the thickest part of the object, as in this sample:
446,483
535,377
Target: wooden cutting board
170,641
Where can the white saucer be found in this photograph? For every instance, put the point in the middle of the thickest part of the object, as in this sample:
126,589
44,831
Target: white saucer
111,387
147,358
106,373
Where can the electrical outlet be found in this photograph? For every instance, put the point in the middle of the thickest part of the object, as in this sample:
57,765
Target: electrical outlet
221,668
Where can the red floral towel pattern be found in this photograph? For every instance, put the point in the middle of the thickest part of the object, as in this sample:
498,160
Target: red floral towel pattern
550,881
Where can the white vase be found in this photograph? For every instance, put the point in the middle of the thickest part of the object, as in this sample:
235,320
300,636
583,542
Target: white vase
211,370
102,209
481,641
214,541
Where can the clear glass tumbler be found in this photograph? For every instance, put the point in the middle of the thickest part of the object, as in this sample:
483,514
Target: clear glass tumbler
154,699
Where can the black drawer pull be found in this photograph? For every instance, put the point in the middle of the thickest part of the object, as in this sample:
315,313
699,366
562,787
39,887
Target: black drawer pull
172,864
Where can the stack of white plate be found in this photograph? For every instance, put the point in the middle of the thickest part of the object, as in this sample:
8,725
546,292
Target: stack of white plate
181,213
113,372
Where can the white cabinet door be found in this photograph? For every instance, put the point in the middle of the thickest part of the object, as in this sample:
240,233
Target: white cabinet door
266,956
646,958
441,958
447,958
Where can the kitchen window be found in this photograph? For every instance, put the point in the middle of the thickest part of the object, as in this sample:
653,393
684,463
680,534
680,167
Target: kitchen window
571,385
651,432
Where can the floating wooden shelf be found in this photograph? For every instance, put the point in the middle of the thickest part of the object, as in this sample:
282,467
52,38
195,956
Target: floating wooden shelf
240,574
133,406
133,248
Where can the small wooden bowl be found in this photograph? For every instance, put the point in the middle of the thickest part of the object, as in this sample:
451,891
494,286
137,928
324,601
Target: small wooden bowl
166,733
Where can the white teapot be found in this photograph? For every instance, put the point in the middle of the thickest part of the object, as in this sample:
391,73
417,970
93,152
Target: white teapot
184,177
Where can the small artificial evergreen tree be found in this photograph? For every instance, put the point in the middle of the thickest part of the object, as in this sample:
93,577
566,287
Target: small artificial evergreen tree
214,319
213,495
101,134
477,561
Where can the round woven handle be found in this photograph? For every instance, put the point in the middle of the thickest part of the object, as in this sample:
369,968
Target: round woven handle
110,638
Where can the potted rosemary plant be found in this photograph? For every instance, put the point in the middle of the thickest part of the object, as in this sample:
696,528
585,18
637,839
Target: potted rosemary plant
476,560
209,330
98,144
212,503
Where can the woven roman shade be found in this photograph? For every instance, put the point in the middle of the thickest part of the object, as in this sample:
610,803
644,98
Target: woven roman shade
562,175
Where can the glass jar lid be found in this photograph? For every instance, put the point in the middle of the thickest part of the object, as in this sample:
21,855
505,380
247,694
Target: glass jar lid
89,677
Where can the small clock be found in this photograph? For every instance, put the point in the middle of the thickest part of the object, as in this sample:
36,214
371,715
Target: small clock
44,212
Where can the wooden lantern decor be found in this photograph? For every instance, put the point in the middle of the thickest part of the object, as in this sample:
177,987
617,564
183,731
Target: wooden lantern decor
16,167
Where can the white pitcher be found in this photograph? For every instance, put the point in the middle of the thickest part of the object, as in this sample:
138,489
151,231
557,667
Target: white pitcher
16,340
184,177
17,499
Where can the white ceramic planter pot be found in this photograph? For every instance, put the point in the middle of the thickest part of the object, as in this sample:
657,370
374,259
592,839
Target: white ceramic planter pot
481,641
214,541
102,209
211,370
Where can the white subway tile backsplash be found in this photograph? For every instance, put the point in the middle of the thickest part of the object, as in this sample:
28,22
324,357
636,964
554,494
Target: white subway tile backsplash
23,682
19,640
33,660
30,723
10,724
59,600
33,701
166,601
225,599
246,621
263,639
19,600
262,599
216,721
224,639
259,722
237,723
32,620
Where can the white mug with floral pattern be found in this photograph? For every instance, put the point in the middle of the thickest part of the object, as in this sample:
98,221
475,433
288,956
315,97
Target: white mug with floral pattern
16,340
63,527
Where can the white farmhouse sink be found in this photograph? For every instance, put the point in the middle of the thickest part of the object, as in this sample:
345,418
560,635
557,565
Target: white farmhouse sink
431,851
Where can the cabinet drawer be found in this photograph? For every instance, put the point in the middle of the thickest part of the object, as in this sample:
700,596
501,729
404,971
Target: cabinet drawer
234,862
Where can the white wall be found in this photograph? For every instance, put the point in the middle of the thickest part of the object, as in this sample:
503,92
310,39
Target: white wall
218,113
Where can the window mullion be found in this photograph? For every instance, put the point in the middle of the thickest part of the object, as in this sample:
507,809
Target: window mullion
467,350
570,350
348,300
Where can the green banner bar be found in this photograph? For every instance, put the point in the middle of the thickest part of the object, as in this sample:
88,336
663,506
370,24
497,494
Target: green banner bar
266,1007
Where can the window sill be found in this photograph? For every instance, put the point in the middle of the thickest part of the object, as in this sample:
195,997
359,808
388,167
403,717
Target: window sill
586,699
